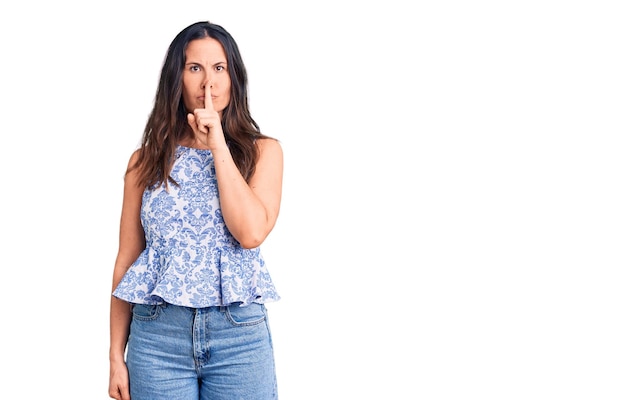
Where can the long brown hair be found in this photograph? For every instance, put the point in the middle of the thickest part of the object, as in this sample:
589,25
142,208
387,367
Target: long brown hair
167,124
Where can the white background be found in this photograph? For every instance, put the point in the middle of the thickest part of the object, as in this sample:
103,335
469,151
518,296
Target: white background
453,218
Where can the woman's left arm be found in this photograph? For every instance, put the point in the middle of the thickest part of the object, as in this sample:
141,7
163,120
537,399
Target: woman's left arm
250,209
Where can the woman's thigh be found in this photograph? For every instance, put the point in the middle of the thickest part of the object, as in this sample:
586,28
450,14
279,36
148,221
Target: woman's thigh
160,353
241,360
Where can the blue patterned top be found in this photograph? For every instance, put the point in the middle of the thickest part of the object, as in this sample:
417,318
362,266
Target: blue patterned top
191,259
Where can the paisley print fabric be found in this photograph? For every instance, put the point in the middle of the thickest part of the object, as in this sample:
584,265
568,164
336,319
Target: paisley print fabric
191,259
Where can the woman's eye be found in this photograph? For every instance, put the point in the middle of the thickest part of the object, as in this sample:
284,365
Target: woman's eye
194,68
219,68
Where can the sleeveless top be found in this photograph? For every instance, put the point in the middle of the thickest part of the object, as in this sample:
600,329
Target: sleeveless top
191,259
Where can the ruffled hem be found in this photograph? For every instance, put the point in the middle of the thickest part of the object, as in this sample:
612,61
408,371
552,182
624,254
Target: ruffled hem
218,278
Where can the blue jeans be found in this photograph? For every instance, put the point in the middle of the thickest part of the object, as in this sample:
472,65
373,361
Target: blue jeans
217,353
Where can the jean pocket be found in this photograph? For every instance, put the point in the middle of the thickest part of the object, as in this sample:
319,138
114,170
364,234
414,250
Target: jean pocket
146,312
252,314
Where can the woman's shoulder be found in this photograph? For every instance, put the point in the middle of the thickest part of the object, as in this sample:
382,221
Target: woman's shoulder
268,143
270,151
134,156
132,172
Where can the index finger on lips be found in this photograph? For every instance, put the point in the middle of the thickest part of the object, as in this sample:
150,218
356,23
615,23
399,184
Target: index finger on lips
208,101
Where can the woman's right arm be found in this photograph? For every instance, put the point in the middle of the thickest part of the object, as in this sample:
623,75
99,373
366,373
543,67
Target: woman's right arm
131,244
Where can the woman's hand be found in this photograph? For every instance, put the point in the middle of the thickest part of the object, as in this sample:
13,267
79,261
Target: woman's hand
206,123
118,382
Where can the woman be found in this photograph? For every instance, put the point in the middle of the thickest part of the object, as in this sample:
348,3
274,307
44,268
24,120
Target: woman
201,194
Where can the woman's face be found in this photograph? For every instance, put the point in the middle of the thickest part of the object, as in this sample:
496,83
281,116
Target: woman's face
205,65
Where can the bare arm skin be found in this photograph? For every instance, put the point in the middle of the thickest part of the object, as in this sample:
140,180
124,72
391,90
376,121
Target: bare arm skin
131,244
250,210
